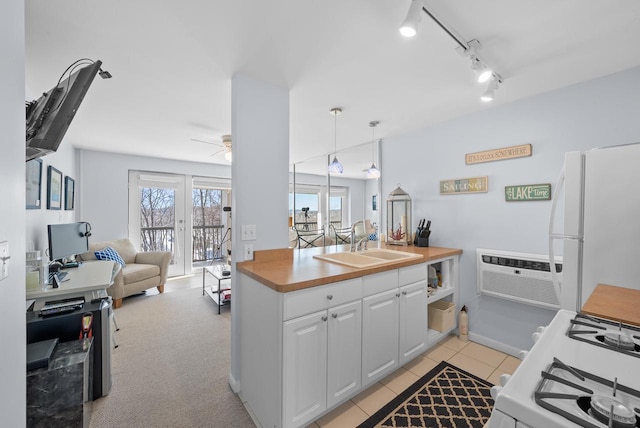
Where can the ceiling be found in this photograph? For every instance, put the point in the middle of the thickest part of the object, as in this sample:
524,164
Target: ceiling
172,64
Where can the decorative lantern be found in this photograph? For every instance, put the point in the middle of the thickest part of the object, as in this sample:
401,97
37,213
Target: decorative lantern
399,218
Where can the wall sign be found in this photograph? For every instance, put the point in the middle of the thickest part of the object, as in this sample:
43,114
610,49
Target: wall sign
464,185
499,154
528,192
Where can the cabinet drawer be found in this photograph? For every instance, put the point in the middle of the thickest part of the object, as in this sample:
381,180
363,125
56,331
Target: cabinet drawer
313,299
411,274
379,282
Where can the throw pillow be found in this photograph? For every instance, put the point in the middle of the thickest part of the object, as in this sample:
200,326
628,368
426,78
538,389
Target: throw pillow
109,254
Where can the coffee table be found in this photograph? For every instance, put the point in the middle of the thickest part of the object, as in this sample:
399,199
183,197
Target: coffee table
215,272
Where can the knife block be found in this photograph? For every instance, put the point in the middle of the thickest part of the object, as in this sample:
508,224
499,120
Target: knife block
422,242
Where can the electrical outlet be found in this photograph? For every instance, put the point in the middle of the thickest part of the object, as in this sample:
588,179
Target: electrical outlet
248,251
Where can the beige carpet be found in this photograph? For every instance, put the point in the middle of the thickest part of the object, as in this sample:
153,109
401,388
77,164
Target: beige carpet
171,368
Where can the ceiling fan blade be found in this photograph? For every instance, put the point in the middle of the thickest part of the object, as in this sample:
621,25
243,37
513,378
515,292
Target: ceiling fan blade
214,143
219,151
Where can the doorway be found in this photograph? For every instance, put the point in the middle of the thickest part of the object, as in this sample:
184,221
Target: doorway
182,214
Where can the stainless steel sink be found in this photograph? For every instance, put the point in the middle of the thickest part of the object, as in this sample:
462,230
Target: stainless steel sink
367,258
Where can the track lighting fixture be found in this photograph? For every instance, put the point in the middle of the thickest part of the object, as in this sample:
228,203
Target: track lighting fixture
335,167
409,27
469,49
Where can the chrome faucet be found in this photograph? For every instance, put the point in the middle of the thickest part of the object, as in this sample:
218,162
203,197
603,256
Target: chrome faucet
361,244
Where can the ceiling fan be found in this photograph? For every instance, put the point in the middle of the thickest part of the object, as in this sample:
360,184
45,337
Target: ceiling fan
225,144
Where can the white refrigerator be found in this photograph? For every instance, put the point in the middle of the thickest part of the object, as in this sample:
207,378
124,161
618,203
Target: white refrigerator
601,236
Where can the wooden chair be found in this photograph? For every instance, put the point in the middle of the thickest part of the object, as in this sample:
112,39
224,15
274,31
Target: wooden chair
310,238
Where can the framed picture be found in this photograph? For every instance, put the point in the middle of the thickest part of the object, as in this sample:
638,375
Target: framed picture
374,202
54,188
34,183
69,192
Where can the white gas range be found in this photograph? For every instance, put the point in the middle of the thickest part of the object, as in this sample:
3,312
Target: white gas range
545,393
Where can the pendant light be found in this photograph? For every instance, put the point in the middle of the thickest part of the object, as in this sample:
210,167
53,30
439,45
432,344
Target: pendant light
335,167
373,172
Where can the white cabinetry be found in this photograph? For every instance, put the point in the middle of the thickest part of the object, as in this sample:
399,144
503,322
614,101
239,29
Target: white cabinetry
394,321
344,349
305,352
413,319
322,350
305,367
379,335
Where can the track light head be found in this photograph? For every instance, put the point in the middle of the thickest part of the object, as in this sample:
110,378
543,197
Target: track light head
489,92
483,73
409,27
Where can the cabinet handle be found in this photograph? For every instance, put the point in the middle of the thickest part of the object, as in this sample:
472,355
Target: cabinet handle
334,315
404,293
329,296
324,318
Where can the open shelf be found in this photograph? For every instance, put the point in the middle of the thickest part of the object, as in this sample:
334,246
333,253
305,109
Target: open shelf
440,293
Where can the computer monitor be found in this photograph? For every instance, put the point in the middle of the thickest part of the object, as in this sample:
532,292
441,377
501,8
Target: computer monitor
68,239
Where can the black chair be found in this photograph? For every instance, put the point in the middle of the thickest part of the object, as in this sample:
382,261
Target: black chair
310,238
343,235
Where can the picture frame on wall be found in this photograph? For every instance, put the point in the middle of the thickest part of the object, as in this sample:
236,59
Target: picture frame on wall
33,184
54,188
69,192
374,203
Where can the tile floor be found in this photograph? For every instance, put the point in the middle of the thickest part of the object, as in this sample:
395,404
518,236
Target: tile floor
477,359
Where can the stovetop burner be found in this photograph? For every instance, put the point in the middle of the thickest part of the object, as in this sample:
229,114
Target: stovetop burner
586,399
608,334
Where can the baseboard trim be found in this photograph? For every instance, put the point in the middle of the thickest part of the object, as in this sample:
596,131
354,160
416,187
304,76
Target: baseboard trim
234,384
491,343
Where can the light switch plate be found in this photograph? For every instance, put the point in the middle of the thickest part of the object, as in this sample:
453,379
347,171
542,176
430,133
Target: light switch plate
248,232
248,251
4,259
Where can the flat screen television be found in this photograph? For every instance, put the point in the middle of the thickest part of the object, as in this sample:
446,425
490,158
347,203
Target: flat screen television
67,240
49,116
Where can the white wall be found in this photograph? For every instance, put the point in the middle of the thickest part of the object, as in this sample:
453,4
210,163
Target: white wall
12,223
104,183
37,220
259,179
601,112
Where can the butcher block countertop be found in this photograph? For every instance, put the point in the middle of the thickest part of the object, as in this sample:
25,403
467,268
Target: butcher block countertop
292,269
614,303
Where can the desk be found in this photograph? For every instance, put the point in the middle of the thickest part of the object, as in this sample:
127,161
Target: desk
216,272
89,280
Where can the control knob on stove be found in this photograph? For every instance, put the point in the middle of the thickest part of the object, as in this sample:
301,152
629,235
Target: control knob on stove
536,336
495,390
504,379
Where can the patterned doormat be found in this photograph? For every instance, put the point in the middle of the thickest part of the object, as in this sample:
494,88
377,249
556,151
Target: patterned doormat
445,397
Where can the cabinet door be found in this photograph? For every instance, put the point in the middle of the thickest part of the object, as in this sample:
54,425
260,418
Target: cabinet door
413,320
379,335
344,363
305,368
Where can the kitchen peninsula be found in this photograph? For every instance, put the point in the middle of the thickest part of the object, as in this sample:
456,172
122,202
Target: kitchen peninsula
315,333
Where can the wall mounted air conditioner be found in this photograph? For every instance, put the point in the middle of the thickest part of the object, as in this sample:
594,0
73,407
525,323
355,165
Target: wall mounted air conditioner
520,277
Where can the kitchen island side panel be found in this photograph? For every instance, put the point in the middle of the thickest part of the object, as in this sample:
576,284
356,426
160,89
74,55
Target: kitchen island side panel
260,350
